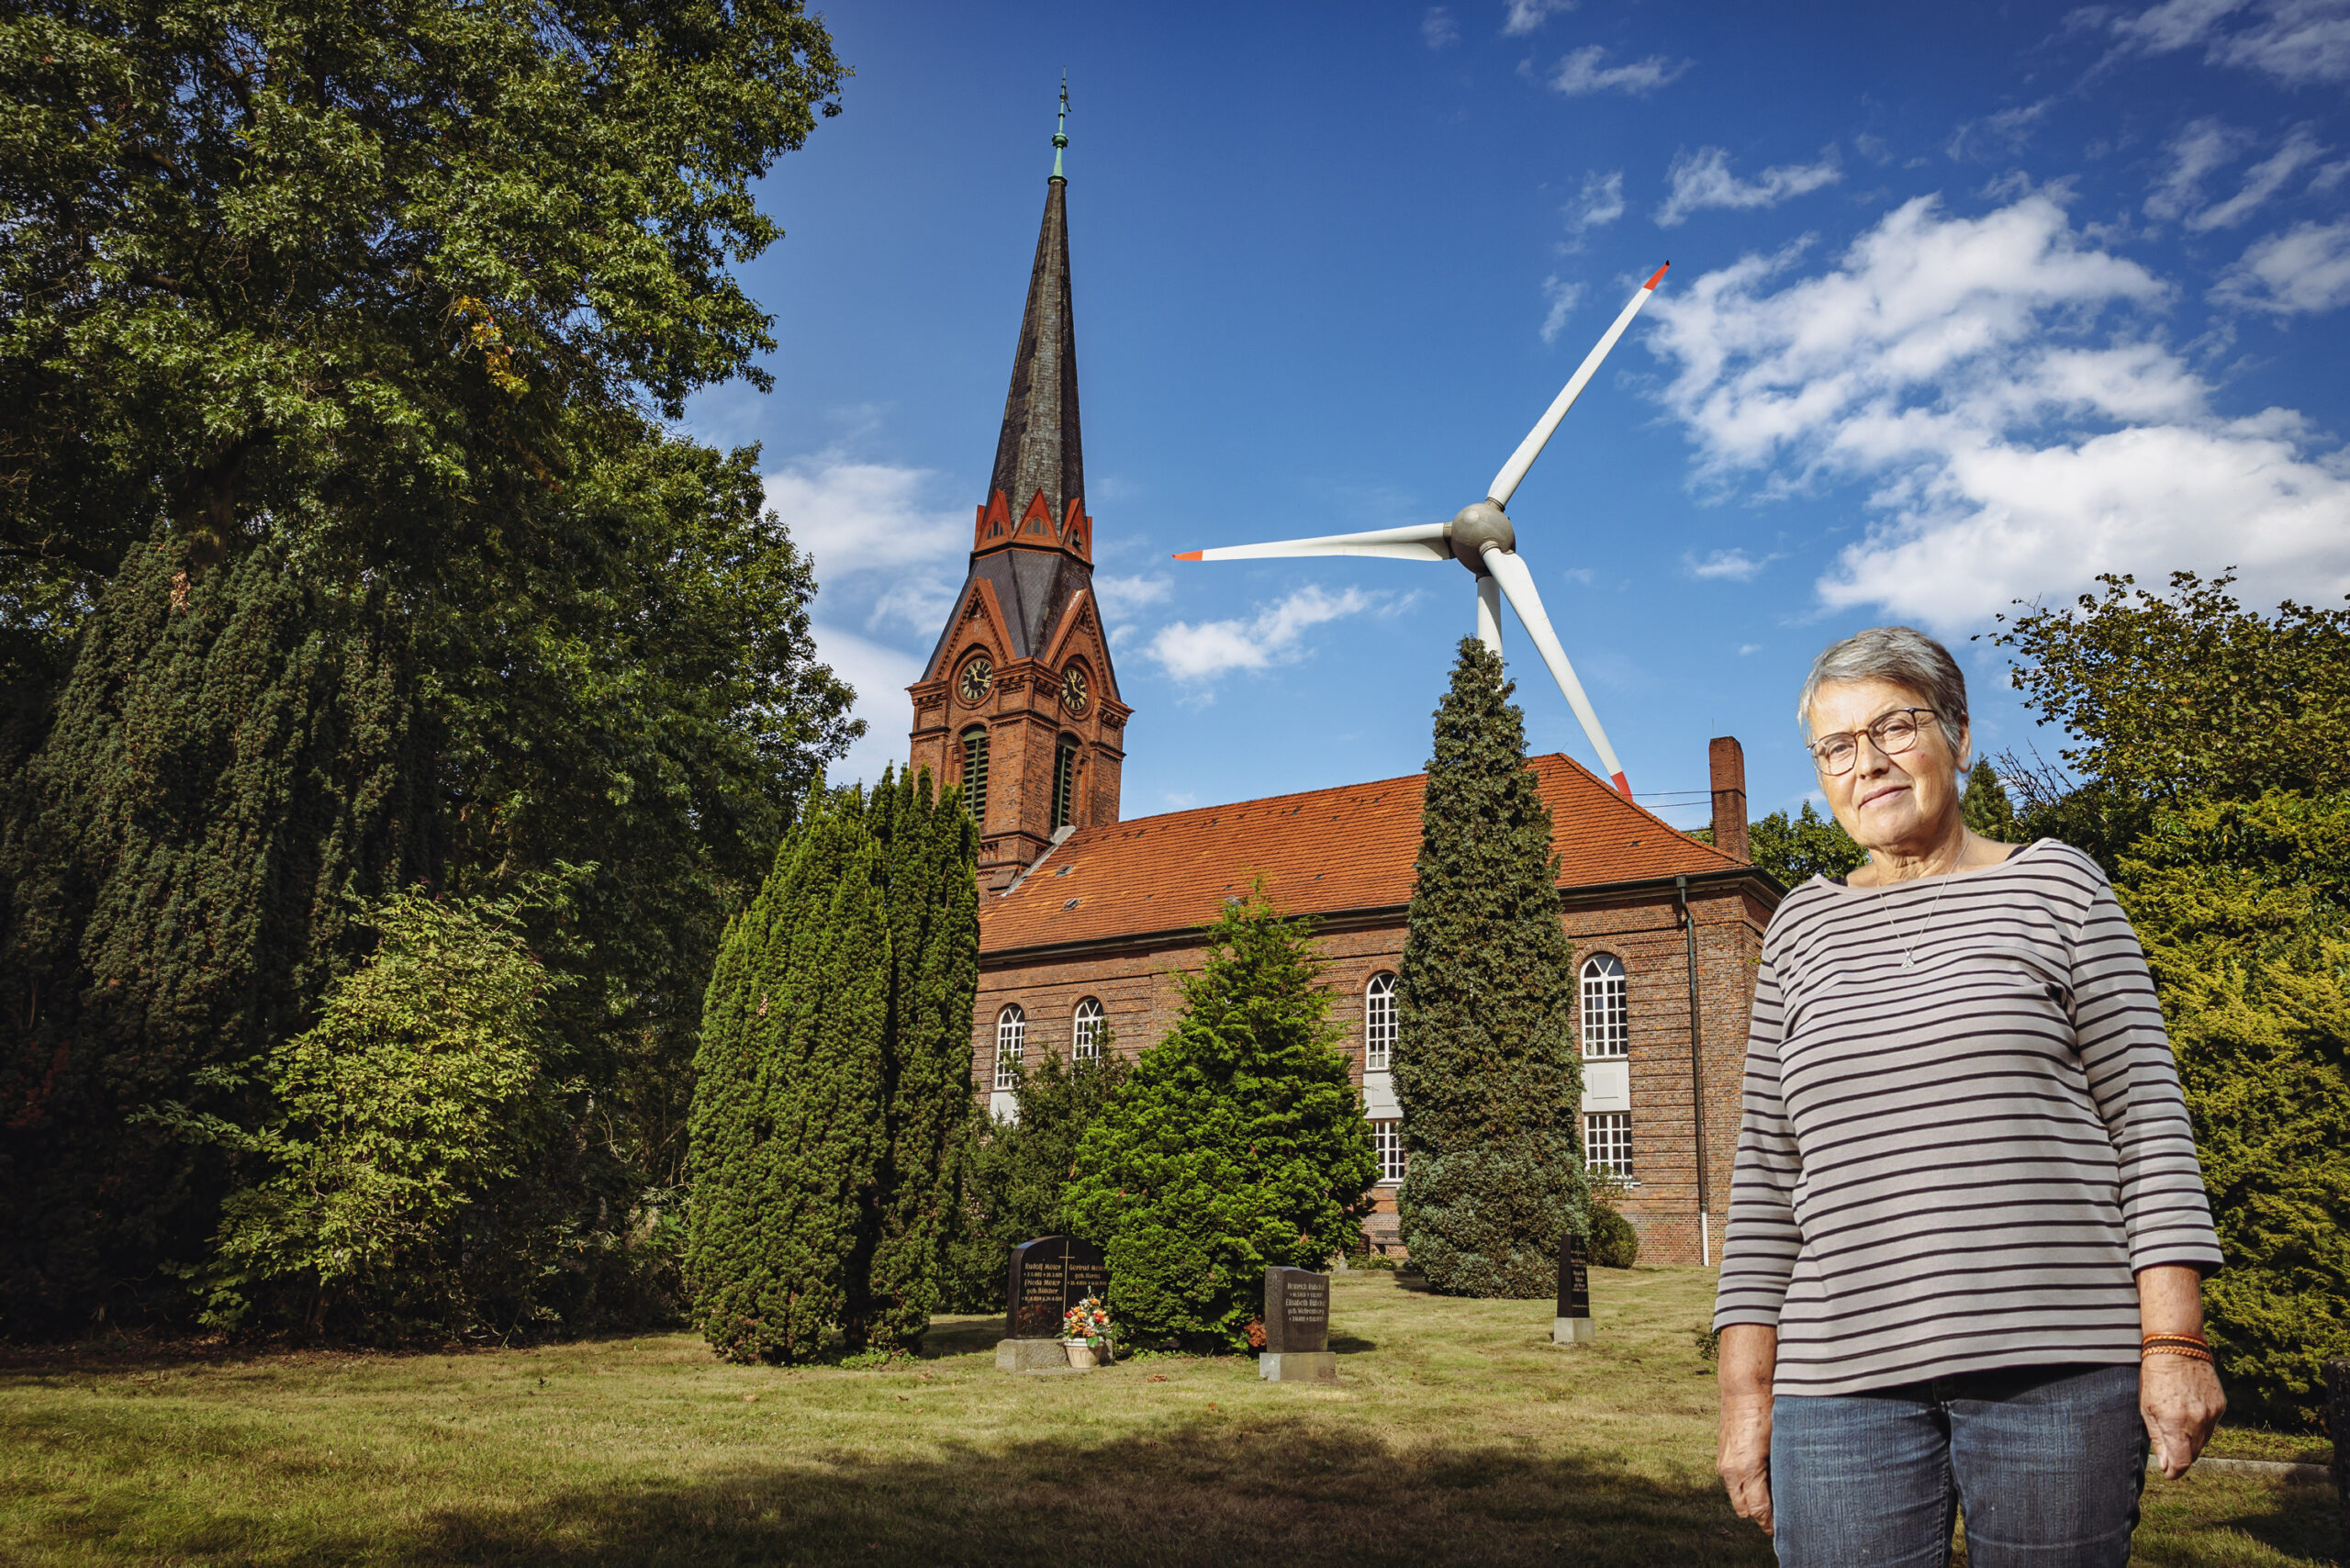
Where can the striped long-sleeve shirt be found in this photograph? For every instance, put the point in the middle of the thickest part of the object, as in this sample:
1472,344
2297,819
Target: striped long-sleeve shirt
1962,1132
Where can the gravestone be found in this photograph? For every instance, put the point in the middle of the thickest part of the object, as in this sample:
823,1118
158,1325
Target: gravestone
1046,1277
1574,1324
1297,1328
2337,1422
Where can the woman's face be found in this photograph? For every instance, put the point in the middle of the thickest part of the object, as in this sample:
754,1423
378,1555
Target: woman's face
1886,802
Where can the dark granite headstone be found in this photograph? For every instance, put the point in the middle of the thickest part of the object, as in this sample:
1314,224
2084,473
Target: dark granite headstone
1574,1278
2337,1423
1048,1276
1297,1311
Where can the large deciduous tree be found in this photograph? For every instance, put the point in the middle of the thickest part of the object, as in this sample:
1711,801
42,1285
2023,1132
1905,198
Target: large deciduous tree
1485,1065
1236,1145
2209,741
384,304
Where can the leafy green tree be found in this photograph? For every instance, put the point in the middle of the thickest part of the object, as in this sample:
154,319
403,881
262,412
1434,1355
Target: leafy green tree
1238,1145
1485,1065
2211,785
1016,1171
1794,849
2189,695
1985,806
788,1130
397,298
235,759
418,1089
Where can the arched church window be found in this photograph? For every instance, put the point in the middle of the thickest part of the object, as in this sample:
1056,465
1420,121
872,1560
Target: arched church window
1606,1030
1065,782
975,773
1011,1033
1087,1034
1379,1023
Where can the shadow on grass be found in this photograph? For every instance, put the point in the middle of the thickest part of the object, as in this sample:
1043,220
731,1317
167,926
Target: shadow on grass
1212,1493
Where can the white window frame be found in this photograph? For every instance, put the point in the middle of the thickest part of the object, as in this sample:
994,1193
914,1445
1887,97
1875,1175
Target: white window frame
1379,1023
1010,1036
1607,1143
1387,1143
1085,1030
1606,1015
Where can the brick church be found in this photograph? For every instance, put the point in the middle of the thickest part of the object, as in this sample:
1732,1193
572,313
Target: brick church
1085,919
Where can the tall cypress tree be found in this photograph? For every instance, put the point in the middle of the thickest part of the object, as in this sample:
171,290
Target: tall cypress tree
235,751
787,1123
930,852
1238,1144
1485,1067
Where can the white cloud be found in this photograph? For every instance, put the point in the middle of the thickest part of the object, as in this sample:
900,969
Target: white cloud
1746,648
2298,42
1438,29
2200,148
1990,381
860,520
1994,135
1274,635
2262,180
2305,268
1702,179
1523,17
881,675
1582,72
1735,565
1121,597
1600,202
1563,297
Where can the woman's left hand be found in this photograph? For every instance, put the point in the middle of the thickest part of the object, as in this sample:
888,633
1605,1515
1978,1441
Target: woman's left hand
2179,1397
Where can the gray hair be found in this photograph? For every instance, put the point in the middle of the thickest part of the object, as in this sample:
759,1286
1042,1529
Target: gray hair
1898,656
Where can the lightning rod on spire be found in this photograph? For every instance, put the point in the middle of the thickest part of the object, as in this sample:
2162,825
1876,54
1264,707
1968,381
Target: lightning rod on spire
1060,129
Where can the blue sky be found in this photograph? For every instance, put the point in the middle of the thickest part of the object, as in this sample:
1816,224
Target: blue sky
1968,304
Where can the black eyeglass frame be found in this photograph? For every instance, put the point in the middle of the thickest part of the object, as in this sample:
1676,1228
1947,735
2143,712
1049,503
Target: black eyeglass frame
1873,729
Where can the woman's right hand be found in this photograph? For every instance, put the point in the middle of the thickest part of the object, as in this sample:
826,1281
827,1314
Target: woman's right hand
1748,1353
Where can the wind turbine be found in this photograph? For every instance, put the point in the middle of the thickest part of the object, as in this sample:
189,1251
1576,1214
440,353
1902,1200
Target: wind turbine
1480,537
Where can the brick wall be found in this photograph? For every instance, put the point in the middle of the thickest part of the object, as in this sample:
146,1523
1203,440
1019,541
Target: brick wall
1135,983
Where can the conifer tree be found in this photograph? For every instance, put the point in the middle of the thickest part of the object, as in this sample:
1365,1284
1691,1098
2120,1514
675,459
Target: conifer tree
235,758
1238,1144
1985,806
929,850
787,1124
1485,1067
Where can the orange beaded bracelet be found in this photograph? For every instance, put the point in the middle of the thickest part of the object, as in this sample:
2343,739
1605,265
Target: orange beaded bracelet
2193,1352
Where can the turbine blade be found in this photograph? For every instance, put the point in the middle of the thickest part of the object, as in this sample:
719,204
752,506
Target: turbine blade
1414,542
1517,583
1505,482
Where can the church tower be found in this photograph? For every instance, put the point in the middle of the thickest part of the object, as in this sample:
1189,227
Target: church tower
1018,702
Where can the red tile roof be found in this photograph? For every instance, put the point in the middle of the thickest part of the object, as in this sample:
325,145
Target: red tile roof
1322,853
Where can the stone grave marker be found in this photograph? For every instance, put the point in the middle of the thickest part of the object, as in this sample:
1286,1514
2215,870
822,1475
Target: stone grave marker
1574,1324
1046,1277
1297,1328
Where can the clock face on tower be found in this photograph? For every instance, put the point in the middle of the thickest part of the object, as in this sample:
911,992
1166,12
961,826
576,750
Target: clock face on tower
1073,693
979,674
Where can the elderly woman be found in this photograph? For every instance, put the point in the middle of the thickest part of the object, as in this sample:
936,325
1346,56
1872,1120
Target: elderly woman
1967,1232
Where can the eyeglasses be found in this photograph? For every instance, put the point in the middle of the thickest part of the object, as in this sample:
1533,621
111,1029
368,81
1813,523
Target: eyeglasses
1892,733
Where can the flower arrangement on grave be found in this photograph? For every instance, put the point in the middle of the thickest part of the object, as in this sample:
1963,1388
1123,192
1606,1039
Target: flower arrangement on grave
1087,1323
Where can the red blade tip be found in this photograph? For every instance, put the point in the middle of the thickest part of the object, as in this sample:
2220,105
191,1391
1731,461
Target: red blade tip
1622,786
1187,555
1655,275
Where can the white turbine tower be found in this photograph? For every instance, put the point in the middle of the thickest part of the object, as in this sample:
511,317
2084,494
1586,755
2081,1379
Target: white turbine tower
1480,537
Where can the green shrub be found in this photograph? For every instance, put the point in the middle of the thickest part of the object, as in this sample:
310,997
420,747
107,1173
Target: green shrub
1238,1144
1614,1243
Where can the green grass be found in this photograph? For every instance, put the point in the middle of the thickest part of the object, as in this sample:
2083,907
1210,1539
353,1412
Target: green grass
1457,1434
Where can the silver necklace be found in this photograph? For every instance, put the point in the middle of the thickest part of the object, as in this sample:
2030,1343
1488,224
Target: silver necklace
1909,943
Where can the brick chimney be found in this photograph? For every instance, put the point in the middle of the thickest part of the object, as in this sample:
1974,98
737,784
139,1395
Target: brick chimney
1729,761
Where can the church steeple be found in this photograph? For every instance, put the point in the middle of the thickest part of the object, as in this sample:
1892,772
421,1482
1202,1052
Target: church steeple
1018,702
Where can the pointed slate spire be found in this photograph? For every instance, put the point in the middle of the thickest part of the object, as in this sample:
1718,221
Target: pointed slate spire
1040,452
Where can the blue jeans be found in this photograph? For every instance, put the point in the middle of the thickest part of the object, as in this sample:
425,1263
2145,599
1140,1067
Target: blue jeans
2047,1463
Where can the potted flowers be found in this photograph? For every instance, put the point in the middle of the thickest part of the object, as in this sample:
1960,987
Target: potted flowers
1085,1333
